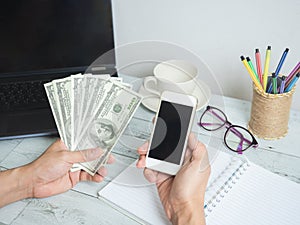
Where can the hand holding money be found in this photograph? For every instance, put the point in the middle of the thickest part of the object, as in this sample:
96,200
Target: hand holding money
91,111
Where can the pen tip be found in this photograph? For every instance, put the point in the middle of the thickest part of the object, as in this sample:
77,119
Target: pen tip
256,50
248,58
283,78
242,58
273,75
269,47
287,49
298,75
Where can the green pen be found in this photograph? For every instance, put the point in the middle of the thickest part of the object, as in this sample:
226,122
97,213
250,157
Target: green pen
252,68
274,81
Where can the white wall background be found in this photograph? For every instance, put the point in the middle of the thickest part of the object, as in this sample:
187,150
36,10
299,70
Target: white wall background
217,31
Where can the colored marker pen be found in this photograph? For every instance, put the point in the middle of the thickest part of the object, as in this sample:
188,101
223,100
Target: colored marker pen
281,90
292,84
266,69
281,61
258,66
252,68
274,82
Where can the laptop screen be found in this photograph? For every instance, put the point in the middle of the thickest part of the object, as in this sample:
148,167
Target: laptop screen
53,35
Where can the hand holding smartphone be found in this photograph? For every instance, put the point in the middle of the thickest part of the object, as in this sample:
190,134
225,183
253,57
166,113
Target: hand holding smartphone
172,126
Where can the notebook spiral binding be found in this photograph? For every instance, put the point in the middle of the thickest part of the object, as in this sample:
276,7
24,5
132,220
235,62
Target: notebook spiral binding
224,183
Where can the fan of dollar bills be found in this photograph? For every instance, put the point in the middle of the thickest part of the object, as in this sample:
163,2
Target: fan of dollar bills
91,111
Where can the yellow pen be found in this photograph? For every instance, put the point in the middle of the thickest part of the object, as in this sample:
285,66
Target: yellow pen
252,75
266,69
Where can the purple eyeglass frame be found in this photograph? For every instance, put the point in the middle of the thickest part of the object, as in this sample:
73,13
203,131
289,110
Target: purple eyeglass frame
230,127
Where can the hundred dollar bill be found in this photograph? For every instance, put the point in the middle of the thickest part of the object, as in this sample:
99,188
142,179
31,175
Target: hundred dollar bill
96,87
85,91
76,81
54,107
62,90
107,125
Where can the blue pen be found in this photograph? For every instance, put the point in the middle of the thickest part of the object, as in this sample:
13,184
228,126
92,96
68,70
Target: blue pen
281,89
270,88
279,67
293,82
281,61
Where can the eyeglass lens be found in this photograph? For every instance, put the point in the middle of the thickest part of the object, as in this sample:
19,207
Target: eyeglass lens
213,119
237,138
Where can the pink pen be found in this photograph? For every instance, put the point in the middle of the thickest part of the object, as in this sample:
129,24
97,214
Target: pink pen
258,65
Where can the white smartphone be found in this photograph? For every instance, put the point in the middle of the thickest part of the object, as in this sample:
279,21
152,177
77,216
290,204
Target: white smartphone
172,126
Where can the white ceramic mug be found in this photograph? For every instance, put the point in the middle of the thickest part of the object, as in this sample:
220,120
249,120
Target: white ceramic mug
173,75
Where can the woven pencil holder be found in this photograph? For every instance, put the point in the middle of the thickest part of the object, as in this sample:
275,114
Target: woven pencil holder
270,114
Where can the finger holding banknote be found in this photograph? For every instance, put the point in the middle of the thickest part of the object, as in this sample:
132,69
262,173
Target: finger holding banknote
100,174
49,174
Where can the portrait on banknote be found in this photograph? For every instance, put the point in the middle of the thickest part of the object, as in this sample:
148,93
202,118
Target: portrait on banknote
103,133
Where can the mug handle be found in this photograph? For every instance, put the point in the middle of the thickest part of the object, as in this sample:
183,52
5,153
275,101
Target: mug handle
150,83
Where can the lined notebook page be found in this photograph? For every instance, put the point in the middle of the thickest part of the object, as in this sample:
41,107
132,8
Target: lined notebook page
258,197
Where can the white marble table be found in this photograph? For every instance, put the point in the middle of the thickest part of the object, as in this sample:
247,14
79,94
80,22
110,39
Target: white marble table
81,205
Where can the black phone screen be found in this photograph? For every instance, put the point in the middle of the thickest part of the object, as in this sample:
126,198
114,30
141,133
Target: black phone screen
170,132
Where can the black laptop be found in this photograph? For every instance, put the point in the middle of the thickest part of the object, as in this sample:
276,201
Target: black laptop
41,41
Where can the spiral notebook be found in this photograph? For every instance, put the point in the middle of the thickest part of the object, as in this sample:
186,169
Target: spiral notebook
238,192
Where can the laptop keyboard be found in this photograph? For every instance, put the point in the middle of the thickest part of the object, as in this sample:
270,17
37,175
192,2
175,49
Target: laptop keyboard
25,95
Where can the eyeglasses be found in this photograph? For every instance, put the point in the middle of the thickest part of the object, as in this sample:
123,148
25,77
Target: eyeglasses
236,138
